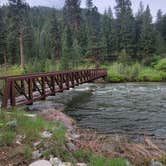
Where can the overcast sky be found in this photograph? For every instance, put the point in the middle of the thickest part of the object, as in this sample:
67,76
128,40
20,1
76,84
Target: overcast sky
102,4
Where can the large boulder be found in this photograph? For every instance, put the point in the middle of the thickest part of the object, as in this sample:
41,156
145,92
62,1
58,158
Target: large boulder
41,163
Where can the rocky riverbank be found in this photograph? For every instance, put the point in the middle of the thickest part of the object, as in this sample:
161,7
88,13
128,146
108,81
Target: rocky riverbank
112,146
46,136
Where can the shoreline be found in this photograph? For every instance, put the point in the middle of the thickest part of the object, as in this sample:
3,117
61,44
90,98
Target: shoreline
113,145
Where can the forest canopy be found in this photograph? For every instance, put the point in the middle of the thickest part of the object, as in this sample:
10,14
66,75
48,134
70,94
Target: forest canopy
73,35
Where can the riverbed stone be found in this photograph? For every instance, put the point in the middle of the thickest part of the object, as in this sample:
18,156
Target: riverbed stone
66,164
71,146
81,164
55,161
46,134
36,155
41,163
156,163
33,116
37,143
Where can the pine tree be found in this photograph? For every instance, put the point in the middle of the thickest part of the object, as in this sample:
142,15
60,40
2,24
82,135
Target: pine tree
94,34
159,21
67,43
17,15
138,27
76,52
147,37
124,26
55,36
2,39
160,41
89,4
72,14
108,34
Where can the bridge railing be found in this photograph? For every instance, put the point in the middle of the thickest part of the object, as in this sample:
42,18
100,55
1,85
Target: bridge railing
25,89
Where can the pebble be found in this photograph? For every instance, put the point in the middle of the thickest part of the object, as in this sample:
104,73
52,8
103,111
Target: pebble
156,163
81,164
55,161
30,115
36,155
46,134
37,143
71,146
66,164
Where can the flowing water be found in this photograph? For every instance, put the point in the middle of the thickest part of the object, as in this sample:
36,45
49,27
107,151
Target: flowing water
133,109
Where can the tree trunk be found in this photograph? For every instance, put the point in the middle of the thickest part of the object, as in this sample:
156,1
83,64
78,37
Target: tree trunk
21,49
4,58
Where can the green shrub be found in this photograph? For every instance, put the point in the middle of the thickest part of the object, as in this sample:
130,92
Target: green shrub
118,72
115,77
149,74
11,70
161,65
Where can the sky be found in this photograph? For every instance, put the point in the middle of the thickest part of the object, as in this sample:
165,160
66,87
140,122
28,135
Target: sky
103,4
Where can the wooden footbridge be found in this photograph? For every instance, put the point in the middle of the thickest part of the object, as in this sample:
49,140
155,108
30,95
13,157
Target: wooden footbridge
25,89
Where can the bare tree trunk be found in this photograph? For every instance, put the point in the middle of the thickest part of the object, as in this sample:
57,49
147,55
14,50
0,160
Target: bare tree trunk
21,49
5,58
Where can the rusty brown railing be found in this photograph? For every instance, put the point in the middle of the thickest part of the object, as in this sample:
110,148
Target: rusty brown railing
25,89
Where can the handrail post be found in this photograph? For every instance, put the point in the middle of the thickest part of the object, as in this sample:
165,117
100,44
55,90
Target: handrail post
12,94
6,94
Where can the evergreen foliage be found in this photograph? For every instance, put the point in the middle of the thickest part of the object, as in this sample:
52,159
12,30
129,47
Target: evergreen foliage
73,35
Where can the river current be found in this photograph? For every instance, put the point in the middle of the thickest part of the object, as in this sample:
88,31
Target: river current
132,109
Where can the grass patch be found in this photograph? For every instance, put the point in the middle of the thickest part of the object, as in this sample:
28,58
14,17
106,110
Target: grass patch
16,122
7,137
100,160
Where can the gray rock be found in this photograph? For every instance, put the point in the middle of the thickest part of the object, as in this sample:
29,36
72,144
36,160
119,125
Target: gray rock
30,115
37,143
75,136
156,163
36,155
19,139
128,163
66,164
55,161
12,124
41,163
44,105
46,134
81,164
71,146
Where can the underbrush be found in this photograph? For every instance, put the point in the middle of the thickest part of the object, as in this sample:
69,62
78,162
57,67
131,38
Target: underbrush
10,70
118,72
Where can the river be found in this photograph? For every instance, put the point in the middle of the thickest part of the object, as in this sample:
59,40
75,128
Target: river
133,109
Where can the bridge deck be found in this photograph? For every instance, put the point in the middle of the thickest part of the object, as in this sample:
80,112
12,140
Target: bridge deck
25,89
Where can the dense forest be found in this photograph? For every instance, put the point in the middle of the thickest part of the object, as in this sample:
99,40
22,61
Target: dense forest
73,36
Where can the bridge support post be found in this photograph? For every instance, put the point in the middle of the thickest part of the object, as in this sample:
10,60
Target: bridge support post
12,94
43,84
5,94
30,91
